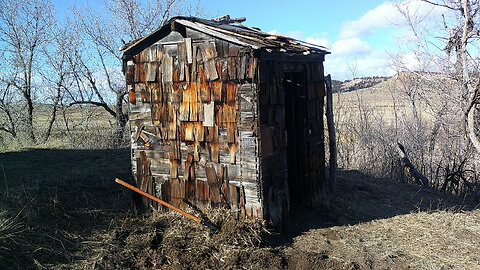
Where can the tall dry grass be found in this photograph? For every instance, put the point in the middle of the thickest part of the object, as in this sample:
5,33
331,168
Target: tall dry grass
84,127
414,110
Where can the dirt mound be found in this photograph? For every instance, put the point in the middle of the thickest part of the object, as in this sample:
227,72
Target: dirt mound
169,241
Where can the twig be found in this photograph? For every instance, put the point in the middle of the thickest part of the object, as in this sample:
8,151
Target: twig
5,179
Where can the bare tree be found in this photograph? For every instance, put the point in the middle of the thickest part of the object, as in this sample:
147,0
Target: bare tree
58,76
25,27
460,35
8,123
104,30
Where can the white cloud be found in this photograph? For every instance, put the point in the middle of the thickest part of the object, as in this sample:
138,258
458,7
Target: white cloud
373,63
410,61
388,14
379,17
318,41
351,47
353,56
356,58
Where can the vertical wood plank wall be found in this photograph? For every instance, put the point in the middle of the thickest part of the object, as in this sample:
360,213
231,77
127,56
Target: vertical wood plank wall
193,119
207,122
273,134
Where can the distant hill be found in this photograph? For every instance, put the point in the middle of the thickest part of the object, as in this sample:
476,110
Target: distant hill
357,83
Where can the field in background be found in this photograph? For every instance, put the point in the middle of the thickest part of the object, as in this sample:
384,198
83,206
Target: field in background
86,127
421,111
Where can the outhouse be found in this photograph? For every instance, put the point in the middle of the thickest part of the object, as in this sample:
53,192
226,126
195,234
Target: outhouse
223,114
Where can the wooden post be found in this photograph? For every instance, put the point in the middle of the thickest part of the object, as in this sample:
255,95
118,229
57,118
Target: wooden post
332,145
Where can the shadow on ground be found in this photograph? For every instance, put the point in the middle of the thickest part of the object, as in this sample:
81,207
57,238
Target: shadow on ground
72,214
60,197
361,198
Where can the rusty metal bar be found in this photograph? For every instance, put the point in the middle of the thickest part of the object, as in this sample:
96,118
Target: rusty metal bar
196,219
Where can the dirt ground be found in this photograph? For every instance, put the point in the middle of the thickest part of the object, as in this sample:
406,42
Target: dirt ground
60,209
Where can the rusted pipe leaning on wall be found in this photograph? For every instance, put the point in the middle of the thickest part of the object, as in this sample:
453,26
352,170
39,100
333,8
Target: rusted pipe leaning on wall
196,219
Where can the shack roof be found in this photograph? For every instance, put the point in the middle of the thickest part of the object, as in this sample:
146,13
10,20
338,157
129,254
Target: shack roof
232,31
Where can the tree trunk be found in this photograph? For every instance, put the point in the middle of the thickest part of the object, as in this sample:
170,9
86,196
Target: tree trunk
54,110
30,131
121,119
470,127
50,123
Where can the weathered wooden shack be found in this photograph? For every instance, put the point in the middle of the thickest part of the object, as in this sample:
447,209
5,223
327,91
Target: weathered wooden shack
225,114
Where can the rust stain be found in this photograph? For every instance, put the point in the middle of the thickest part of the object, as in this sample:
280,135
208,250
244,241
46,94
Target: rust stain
217,90
140,71
131,96
203,85
232,88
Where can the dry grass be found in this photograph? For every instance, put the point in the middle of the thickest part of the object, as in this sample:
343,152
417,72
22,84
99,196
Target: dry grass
77,218
425,240
11,233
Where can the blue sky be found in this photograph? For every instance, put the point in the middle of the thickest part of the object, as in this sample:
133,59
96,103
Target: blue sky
363,36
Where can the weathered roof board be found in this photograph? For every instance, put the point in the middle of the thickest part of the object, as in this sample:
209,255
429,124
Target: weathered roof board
207,109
